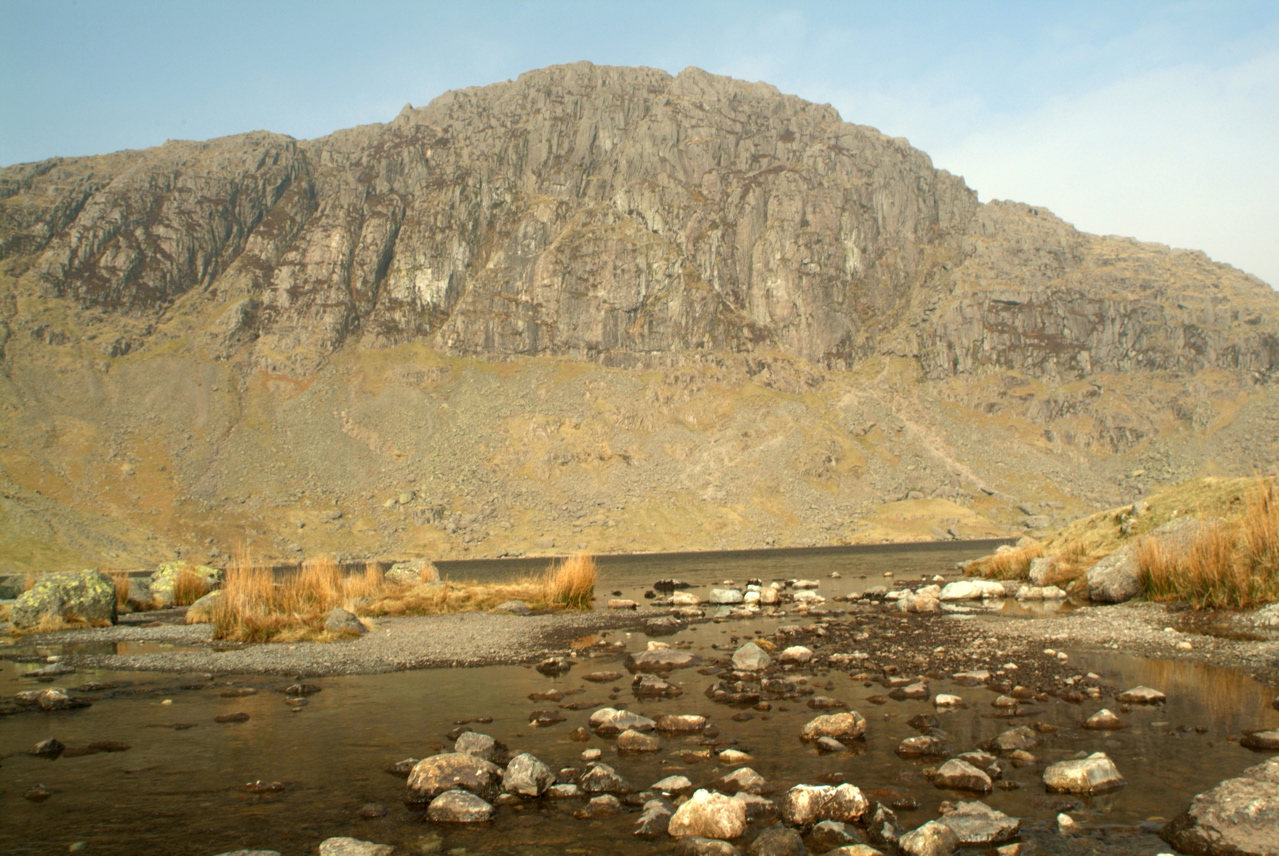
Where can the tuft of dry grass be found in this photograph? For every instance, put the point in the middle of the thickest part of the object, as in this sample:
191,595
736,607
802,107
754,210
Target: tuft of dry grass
1231,563
120,579
571,582
1013,564
188,587
256,607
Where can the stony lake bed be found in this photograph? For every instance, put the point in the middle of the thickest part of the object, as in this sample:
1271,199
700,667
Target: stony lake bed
190,746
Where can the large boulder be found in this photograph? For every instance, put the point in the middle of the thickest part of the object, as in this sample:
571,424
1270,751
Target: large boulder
932,839
609,721
453,770
526,776
1095,774
804,805
709,815
975,823
165,580
751,658
1116,578
413,572
459,807
1239,817
87,595
972,590
201,612
839,726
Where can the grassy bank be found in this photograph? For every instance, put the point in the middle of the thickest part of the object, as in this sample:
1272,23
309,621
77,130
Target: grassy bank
1231,561
256,607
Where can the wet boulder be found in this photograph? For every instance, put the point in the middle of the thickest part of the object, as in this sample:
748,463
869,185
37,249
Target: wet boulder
1239,817
672,785
726,596
960,775
453,770
526,776
829,834
602,779
1016,739
87,595
353,847
804,805
554,666
696,845
651,686
839,726
709,815
1265,741
1104,720
975,823
631,740
751,657
654,819
777,841
743,779
923,745
679,723
459,807
609,721
1142,695
1116,578
660,660
1092,775
932,839
481,746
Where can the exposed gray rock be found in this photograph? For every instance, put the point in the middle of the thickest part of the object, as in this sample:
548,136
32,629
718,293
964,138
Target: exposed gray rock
339,620
1104,720
353,847
1041,570
1266,741
651,686
709,815
921,745
1116,578
975,823
439,773
661,660
1092,775
86,595
515,607
742,779
413,572
932,839
726,596
959,775
829,834
796,655
777,841
634,741
600,778
751,658
672,785
1239,817
804,805
609,721
679,723
844,727
1142,695
696,845
526,776
481,746
459,807
165,578
1014,739
654,819
201,612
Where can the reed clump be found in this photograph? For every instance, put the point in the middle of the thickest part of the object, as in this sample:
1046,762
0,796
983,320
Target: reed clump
256,607
1230,563
571,583
188,587
120,580
1011,564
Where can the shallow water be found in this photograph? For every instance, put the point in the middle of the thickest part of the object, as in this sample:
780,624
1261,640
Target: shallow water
176,790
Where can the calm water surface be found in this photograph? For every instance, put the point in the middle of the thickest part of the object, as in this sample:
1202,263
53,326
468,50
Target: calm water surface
177,789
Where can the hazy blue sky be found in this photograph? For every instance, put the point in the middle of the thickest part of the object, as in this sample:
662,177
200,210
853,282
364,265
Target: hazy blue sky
1157,120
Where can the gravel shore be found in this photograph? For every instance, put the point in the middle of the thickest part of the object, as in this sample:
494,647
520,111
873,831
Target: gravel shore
394,644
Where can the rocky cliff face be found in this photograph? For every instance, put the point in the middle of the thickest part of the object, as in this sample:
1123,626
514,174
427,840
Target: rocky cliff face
615,213
620,216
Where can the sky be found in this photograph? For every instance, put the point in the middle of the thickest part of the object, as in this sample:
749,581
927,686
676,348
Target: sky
1153,120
